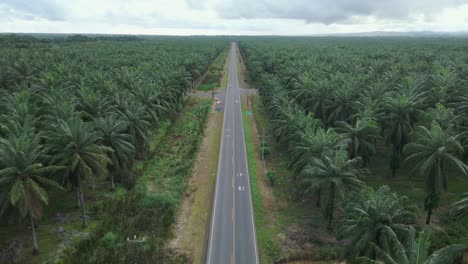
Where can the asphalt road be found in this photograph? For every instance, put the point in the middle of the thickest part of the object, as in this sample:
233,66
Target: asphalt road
232,230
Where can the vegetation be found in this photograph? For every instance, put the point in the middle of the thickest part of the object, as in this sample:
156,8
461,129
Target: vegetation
148,210
417,251
78,112
213,77
395,104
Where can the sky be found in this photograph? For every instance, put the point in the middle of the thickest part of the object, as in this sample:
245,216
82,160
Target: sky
232,17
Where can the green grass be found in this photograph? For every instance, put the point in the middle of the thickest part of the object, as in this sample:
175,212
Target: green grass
215,73
208,86
266,246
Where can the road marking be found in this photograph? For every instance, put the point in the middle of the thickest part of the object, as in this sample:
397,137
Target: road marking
213,216
248,183
233,196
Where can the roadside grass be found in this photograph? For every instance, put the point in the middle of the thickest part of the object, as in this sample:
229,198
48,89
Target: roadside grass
213,76
194,215
224,78
266,246
208,86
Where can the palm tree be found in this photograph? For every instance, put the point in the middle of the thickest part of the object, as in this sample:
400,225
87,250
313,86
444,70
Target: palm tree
401,115
433,149
312,145
313,95
137,118
402,108
343,100
150,97
444,83
23,178
92,104
115,136
367,215
21,71
336,174
362,135
445,117
416,250
75,145
460,208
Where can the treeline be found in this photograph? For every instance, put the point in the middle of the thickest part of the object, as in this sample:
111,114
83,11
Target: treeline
26,40
334,103
70,114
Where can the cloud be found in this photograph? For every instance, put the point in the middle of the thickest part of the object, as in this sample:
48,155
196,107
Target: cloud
268,17
330,11
31,9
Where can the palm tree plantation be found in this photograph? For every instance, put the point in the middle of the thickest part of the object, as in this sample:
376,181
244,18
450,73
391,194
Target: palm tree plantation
357,148
373,132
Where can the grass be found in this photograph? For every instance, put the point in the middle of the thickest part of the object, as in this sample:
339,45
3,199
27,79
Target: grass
215,73
208,86
224,78
196,209
266,245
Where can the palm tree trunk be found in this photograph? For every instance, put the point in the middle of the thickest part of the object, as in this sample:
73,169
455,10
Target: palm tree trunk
83,213
317,198
77,192
33,230
93,183
112,182
331,206
429,214
444,178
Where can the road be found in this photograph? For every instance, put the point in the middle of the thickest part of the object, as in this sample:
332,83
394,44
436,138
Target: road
232,230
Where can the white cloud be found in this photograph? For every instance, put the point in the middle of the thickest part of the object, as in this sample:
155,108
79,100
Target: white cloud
214,17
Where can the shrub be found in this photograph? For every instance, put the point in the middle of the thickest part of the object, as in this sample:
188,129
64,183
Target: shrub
109,240
265,149
271,178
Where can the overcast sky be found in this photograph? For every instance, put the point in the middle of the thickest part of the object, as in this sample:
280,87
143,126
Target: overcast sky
231,17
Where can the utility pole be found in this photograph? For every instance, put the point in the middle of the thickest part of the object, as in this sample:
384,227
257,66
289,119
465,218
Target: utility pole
135,241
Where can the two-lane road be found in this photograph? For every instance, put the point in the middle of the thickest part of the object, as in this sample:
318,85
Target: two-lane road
232,230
